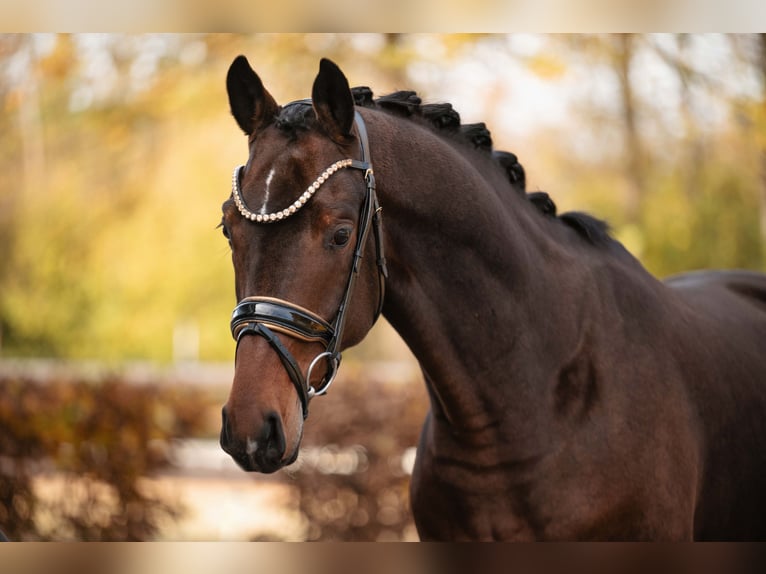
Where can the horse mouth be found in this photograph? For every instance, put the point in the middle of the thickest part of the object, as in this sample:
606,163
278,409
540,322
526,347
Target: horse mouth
265,462
256,462
265,466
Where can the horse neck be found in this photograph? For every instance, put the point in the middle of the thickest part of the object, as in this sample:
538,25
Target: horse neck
476,280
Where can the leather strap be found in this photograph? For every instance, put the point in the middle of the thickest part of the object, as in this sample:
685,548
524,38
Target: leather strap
288,361
283,316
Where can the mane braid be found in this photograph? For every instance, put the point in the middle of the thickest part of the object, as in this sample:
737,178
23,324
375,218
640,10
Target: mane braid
362,96
543,202
402,103
442,116
513,169
478,135
595,231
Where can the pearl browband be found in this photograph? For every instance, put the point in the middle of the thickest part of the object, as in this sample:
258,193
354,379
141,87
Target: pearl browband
288,211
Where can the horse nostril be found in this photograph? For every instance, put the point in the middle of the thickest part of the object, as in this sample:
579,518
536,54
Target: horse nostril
273,439
225,434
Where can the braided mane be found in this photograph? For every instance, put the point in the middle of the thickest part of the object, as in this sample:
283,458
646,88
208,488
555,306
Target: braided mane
297,117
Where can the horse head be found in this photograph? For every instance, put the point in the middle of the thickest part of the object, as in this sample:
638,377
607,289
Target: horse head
298,221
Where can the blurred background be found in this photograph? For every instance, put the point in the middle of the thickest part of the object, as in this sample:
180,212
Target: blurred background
116,288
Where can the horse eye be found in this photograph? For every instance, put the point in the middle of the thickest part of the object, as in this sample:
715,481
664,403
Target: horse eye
341,236
225,232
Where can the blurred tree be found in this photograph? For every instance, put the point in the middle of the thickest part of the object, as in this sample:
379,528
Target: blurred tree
106,138
717,168
693,138
115,150
687,150
623,57
81,132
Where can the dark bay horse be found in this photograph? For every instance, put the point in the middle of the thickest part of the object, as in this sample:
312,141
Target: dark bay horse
573,395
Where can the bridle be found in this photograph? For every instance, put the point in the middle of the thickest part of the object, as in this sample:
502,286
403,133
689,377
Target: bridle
267,316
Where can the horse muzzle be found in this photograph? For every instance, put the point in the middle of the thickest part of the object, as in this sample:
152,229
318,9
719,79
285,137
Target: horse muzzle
265,451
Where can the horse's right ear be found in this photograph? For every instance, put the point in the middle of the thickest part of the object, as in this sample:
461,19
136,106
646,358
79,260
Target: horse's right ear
251,105
333,102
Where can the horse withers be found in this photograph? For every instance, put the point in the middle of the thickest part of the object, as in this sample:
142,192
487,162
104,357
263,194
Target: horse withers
573,395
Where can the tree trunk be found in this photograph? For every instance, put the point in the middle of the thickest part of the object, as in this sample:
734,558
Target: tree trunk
31,126
694,157
634,166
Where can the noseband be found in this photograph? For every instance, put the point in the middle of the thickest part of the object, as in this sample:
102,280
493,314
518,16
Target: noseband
268,316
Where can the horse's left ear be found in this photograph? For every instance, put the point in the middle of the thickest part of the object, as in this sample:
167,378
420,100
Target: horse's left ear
333,102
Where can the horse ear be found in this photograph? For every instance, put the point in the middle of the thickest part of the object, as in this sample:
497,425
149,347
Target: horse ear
251,105
333,102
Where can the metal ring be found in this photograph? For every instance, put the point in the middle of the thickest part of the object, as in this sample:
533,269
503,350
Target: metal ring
335,363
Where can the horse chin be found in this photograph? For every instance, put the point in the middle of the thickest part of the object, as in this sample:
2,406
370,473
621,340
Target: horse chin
270,467
263,464
293,457
266,467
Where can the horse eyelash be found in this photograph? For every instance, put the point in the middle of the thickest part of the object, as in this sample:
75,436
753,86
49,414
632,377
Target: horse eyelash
222,226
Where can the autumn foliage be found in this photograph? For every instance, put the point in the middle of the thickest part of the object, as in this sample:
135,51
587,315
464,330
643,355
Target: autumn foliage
101,439
75,457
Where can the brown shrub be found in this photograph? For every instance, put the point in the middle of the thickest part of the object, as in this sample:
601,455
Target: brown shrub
105,438
102,438
356,487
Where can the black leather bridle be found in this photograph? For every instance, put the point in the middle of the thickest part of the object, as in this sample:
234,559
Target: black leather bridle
267,316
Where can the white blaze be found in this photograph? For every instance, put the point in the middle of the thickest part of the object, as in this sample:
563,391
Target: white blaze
266,195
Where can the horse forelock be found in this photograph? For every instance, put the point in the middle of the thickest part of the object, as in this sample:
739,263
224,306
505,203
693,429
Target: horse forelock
295,118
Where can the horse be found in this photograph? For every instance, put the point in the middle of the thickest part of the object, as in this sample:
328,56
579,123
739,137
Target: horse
573,395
